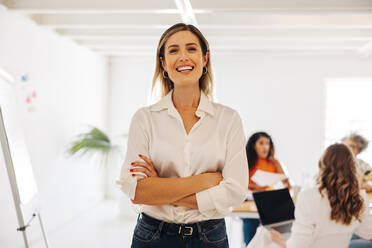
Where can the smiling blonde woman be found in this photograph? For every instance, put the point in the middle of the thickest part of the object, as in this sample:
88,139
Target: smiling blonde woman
185,164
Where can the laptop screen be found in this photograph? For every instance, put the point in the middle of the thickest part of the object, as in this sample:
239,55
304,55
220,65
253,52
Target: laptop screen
274,206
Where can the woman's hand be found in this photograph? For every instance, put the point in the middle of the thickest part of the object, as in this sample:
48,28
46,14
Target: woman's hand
256,188
212,178
277,238
145,166
367,188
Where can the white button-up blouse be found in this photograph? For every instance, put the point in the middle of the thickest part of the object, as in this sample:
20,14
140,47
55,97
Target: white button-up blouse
215,143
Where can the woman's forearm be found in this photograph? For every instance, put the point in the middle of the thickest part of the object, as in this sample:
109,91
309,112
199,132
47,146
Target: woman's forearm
160,191
188,201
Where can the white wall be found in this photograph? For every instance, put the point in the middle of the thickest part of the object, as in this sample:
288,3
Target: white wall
130,83
71,85
281,93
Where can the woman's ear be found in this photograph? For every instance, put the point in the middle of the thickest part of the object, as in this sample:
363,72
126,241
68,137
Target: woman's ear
205,59
163,64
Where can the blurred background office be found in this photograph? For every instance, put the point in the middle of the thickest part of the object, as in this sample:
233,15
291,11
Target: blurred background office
300,70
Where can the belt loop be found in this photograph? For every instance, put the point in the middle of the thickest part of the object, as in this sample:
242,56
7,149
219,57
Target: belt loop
161,226
198,225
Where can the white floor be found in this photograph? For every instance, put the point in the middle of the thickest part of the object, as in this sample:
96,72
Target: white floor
103,227
106,226
99,227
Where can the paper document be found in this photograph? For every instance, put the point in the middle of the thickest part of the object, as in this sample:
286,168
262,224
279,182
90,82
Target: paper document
263,178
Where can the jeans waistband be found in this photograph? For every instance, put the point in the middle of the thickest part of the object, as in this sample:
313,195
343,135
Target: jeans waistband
181,229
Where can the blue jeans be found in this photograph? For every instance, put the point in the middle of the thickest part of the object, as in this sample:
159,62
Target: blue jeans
152,233
249,229
360,243
357,242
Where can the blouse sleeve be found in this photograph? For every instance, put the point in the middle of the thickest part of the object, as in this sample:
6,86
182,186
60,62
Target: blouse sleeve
138,143
303,228
234,186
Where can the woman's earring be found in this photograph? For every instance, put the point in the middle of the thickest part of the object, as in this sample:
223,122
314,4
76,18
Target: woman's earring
165,74
205,70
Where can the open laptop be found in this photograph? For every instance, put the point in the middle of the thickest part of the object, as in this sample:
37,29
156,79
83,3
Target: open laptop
276,209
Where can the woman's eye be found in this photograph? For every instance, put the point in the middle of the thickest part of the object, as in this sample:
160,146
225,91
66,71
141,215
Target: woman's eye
192,49
173,51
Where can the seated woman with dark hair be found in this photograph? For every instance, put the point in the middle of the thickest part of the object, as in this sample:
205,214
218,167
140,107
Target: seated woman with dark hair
328,215
260,154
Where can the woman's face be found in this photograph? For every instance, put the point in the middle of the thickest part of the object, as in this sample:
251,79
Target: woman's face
262,147
183,58
352,146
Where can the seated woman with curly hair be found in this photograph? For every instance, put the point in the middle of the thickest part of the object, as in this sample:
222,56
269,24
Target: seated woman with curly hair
328,215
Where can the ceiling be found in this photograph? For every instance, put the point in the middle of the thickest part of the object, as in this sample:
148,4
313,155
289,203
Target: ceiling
133,28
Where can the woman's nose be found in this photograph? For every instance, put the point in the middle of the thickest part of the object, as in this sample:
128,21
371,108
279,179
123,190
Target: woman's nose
184,55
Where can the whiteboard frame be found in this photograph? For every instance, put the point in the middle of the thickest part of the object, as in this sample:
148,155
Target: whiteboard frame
11,176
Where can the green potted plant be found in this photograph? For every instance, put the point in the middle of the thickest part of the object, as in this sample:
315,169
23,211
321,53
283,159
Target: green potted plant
94,142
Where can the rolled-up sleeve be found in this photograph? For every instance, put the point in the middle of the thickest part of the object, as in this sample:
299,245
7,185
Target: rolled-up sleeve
234,186
138,143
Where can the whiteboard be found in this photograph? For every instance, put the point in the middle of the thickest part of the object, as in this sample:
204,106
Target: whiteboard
15,159
19,156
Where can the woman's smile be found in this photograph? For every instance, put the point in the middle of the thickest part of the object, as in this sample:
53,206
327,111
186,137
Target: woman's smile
185,69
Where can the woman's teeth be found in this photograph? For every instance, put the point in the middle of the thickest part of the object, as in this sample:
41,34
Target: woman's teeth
184,68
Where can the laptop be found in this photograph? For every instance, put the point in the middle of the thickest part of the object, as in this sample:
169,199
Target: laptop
276,209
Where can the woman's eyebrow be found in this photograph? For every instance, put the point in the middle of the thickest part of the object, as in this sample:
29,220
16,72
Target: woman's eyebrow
187,44
170,46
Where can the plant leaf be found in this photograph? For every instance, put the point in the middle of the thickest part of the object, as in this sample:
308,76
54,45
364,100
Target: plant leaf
93,141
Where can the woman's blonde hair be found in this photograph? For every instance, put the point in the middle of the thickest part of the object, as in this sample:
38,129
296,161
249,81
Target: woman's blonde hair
205,81
337,178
